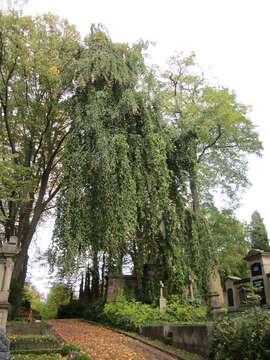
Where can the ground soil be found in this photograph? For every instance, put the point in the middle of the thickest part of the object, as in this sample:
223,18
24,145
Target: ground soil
105,344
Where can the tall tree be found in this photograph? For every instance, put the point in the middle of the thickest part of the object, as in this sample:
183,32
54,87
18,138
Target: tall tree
258,232
212,128
38,58
117,185
230,238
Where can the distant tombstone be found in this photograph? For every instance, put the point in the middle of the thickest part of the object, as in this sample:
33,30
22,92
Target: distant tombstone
191,288
216,300
118,285
162,300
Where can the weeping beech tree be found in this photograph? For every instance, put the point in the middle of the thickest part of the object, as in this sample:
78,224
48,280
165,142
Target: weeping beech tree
121,193
143,155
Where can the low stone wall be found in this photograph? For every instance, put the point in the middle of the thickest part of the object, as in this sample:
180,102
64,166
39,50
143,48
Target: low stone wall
25,328
191,337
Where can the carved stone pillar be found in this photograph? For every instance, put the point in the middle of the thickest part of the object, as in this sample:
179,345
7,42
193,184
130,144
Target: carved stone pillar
162,300
8,252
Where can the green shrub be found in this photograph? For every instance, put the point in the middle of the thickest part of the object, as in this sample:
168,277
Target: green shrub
73,310
129,315
37,351
245,336
38,357
82,357
177,312
95,311
68,348
26,342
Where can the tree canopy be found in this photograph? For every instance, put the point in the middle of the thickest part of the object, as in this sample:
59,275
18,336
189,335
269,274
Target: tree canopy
38,59
132,155
143,154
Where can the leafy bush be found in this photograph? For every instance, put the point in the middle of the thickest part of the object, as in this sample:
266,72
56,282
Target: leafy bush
36,351
38,357
68,348
26,342
81,357
129,315
177,312
72,310
94,311
245,336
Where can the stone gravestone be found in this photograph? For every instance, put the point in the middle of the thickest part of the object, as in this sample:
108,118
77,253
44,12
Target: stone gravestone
191,288
118,285
216,299
162,300
8,252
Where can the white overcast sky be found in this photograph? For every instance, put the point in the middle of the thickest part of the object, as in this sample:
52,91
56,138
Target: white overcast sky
230,38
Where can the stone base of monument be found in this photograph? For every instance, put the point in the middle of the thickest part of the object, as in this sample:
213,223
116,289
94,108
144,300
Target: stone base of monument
162,305
218,314
215,308
4,346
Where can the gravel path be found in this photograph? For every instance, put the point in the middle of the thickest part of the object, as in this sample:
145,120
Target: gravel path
105,344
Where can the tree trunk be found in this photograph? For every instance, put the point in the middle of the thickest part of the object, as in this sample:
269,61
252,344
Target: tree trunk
95,276
26,230
194,191
103,292
18,279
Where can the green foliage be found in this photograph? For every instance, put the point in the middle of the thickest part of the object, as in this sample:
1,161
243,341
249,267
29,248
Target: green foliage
68,348
36,352
32,295
72,310
37,356
212,126
230,241
32,338
129,315
60,294
38,64
94,311
122,179
82,357
258,233
27,342
179,312
243,336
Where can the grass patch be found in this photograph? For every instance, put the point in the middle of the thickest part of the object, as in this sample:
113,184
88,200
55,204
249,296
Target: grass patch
37,351
38,357
29,342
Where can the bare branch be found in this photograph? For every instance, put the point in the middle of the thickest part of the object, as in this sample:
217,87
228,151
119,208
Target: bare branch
211,144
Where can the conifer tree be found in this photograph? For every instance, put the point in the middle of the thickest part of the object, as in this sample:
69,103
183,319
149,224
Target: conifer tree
258,233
